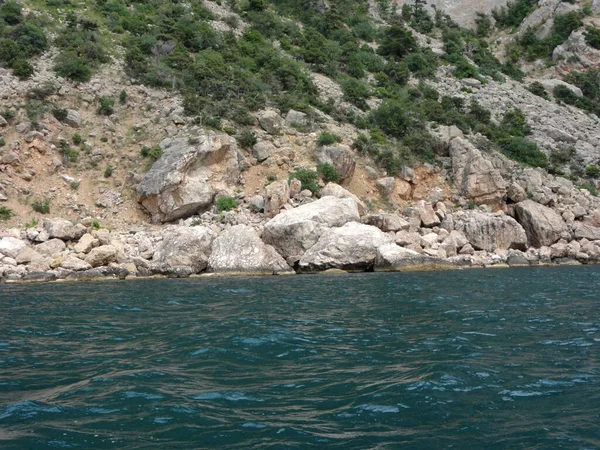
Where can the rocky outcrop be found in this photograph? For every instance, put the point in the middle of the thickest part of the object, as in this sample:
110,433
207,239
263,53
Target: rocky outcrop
102,256
271,121
11,247
63,229
183,251
350,247
491,232
543,225
240,250
340,157
335,190
187,177
277,194
475,177
294,231
386,222
391,258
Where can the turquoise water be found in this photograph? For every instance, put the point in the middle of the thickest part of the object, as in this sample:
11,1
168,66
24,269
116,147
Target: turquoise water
461,359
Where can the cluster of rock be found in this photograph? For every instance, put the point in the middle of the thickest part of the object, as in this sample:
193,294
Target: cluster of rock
333,232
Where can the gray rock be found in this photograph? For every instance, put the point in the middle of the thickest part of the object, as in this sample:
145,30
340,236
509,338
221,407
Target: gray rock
102,256
296,187
296,118
542,224
262,151
277,194
73,118
183,251
240,250
491,232
294,231
386,185
391,257
30,256
582,231
335,190
350,247
63,229
515,258
340,157
86,243
270,121
71,262
516,193
475,177
550,85
11,247
386,222
257,203
427,215
186,178
51,248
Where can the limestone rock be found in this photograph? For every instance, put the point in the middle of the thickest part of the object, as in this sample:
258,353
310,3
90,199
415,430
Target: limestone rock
51,248
86,243
187,177
63,229
475,177
277,194
257,203
427,215
391,257
270,121
240,250
29,255
386,222
335,190
294,231
71,262
386,185
262,151
516,193
73,118
543,225
340,157
102,256
350,247
11,247
583,231
183,251
296,118
492,232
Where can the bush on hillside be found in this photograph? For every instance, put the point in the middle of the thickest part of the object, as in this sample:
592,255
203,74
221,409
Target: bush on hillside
326,138
524,151
308,179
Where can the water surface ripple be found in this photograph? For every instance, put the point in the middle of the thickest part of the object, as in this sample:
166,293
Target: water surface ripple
469,359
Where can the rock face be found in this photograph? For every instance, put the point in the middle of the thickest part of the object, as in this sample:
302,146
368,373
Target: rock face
543,225
277,194
391,257
294,231
341,157
463,12
187,177
335,190
11,247
475,177
183,251
63,229
350,247
240,250
492,232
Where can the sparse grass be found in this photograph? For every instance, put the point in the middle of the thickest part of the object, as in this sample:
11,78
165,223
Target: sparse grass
5,213
95,224
226,204
41,206
31,224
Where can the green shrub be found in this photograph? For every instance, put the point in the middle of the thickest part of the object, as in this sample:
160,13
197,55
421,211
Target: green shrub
514,13
328,173
592,171
308,178
538,89
515,123
592,37
355,92
95,224
77,139
247,139
60,114
11,12
153,154
41,206
8,115
108,171
75,185
226,204
106,106
123,97
6,213
22,69
523,150
589,187
326,138
2,142
70,65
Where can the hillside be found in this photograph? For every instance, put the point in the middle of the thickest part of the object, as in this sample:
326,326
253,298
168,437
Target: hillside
125,117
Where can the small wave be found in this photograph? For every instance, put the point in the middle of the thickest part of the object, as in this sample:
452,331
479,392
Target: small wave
232,396
96,410
379,408
258,426
162,420
478,333
146,395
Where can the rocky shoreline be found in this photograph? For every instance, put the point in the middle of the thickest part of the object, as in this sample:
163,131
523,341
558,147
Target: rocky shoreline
334,233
